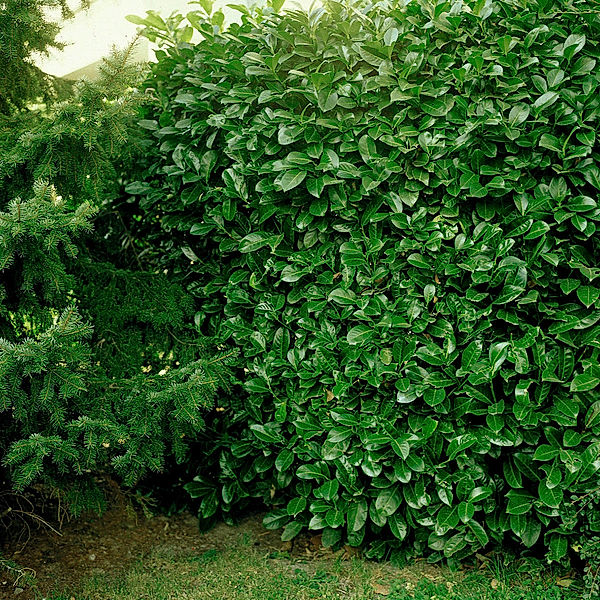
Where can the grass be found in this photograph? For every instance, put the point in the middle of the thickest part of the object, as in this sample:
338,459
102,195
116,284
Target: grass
246,573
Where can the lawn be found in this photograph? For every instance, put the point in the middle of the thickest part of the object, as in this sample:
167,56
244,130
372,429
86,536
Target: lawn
248,569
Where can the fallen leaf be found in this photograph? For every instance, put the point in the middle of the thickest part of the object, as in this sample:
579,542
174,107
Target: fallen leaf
351,551
382,590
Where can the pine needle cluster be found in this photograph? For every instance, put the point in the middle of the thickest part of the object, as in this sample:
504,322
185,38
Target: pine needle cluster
70,405
101,366
26,28
33,233
76,143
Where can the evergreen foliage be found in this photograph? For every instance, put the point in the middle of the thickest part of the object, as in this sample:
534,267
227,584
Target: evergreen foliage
101,367
140,318
44,358
79,143
26,29
33,233
394,212
66,408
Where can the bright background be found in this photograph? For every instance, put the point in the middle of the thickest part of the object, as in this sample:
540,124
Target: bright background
92,33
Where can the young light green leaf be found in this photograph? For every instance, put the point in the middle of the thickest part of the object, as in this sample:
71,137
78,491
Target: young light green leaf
359,335
291,179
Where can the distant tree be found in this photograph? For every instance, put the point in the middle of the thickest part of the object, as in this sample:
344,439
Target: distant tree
27,29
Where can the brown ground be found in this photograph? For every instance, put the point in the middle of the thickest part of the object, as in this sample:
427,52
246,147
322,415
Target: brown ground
94,545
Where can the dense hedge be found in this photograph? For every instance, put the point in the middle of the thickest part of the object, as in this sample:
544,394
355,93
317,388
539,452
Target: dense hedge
391,209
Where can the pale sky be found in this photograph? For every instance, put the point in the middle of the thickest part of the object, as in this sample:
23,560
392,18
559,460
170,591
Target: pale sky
92,33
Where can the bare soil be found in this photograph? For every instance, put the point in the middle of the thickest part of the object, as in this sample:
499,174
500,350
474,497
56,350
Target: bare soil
94,545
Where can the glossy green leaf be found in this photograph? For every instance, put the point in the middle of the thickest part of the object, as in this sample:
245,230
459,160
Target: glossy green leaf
291,179
357,514
388,501
584,382
291,530
359,335
296,506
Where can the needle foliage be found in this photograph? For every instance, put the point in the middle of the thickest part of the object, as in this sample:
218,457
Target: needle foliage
101,366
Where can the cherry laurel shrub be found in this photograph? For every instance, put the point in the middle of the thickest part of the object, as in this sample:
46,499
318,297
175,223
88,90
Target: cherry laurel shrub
391,210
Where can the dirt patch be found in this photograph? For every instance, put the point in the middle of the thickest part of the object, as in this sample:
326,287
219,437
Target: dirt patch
108,545
94,545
